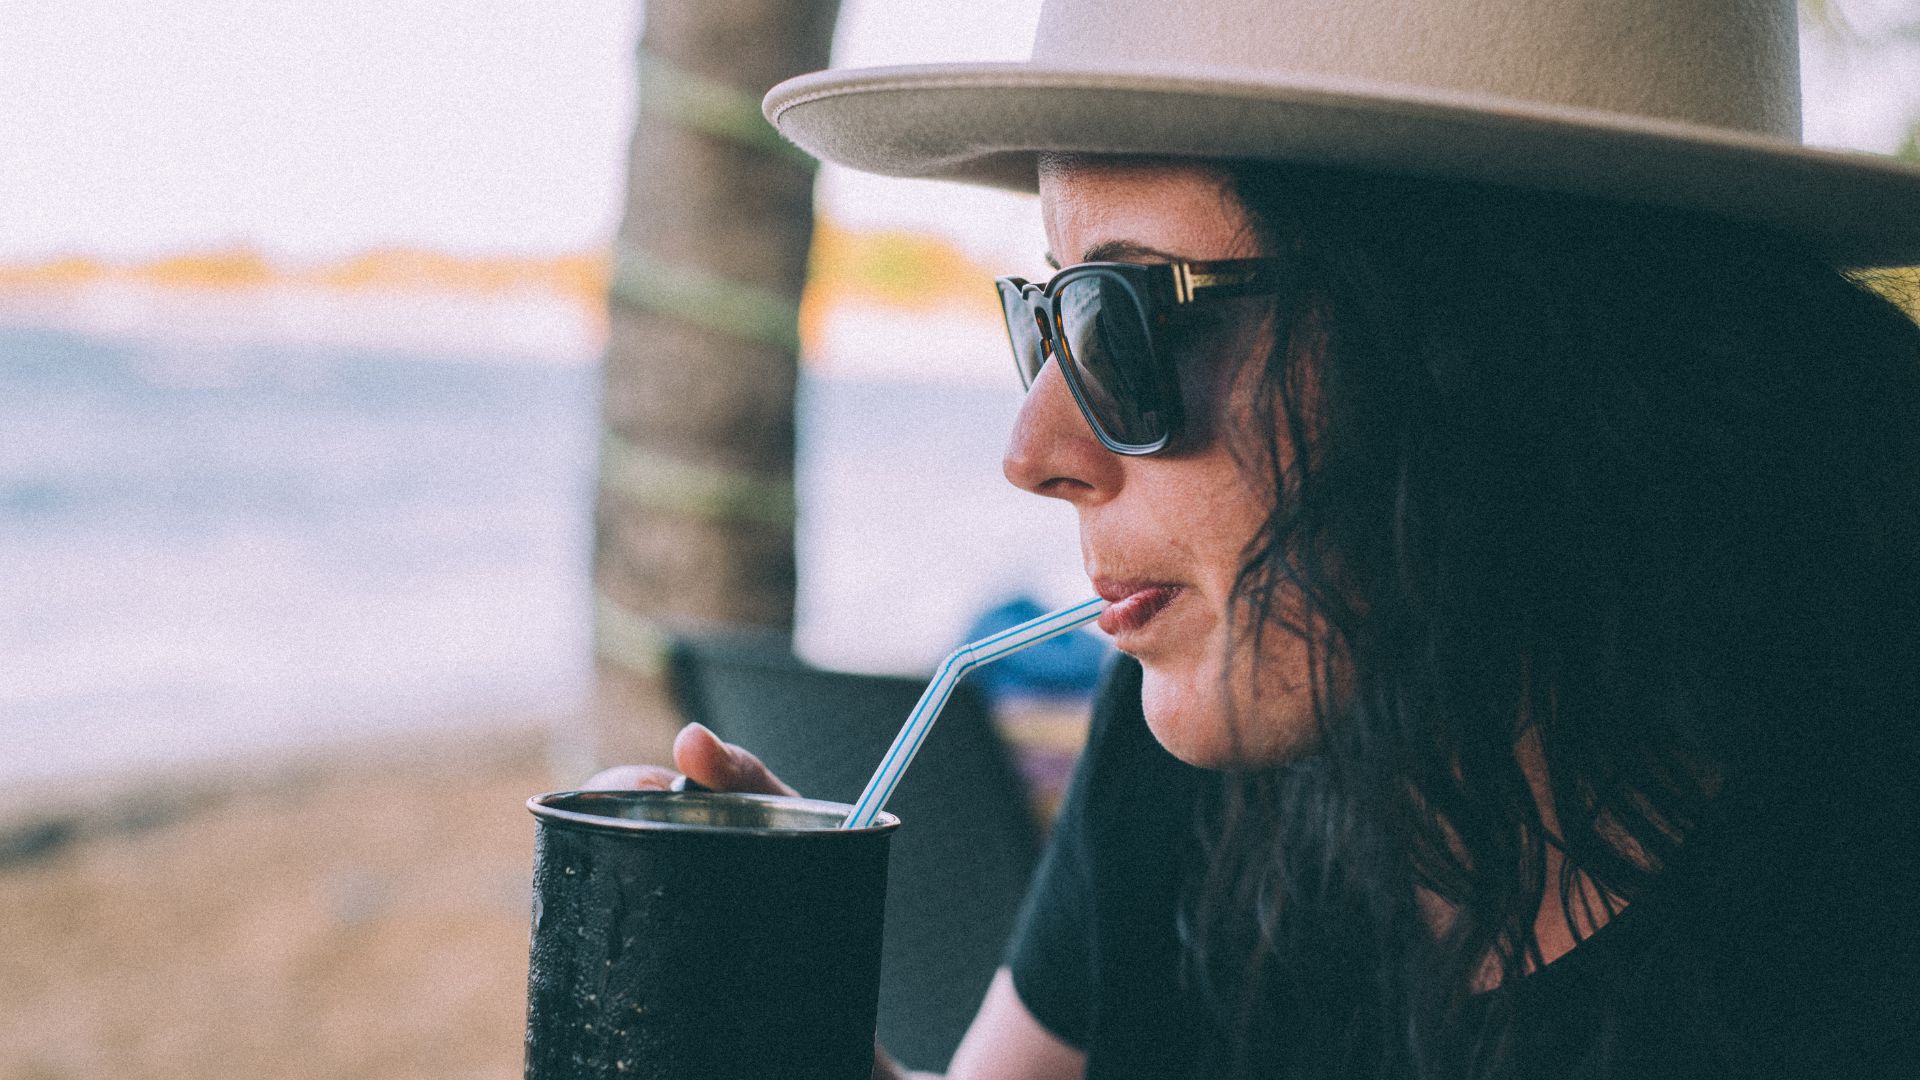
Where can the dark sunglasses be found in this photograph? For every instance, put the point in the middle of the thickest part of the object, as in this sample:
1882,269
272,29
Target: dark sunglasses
1108,324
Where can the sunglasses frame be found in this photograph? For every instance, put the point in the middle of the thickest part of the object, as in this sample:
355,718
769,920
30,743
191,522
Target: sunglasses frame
1157,291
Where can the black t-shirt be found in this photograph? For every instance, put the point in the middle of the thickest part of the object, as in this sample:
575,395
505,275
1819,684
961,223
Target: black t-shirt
1794,954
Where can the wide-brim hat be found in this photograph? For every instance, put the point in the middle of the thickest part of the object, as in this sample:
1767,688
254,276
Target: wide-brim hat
1684,103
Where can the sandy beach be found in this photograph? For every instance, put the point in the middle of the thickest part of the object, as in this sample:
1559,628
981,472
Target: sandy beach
360,914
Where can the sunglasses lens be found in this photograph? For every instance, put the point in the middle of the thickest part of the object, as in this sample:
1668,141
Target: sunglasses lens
1028,349
1106,335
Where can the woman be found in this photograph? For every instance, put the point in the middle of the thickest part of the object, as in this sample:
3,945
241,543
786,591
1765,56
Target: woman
1512,515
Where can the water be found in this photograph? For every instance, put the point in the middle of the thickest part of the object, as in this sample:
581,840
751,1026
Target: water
908,531
210,549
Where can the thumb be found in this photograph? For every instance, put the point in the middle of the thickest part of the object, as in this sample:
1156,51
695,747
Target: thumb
700,754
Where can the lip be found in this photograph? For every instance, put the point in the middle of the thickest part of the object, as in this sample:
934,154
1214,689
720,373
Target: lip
1131,605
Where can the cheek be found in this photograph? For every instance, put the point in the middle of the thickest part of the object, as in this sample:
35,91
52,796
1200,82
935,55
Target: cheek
1275,699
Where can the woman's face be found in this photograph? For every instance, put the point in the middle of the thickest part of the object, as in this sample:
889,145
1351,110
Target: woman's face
1163,537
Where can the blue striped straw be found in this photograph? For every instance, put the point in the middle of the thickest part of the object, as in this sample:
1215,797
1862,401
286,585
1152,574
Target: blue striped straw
927,710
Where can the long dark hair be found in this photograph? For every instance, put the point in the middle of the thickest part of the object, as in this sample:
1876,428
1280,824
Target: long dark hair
1639,485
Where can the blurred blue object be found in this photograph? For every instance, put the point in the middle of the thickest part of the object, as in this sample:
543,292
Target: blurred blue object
1067,666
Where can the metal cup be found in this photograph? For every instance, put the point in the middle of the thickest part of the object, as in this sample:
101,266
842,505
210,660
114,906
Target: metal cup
695,934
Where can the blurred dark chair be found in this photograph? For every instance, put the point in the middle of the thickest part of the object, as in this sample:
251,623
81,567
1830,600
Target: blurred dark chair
967,842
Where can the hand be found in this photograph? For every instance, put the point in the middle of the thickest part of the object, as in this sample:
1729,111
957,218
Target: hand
700,756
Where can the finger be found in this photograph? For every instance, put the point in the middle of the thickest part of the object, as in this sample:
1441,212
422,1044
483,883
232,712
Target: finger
722,766
627,777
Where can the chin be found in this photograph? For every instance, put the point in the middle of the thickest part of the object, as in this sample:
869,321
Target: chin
1189,716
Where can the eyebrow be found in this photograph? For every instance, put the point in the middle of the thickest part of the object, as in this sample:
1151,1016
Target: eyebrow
1118,251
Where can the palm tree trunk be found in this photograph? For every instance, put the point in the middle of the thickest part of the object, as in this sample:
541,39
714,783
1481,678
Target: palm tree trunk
694,516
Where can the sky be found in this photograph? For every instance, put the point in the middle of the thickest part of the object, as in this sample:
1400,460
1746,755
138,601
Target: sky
317,129
314,130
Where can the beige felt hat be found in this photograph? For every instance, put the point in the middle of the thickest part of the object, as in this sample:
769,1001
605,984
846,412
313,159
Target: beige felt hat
1689,103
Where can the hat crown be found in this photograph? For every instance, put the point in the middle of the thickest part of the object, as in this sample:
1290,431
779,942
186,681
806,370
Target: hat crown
1721,63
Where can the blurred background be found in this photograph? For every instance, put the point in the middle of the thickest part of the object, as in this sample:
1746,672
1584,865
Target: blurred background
382,383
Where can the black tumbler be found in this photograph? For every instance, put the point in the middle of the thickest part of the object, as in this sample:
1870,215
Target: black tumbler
694,934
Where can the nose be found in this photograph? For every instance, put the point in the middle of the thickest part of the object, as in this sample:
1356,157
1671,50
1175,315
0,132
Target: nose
1052,451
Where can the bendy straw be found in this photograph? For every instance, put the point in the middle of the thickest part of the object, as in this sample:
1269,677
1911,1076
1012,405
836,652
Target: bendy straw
927,710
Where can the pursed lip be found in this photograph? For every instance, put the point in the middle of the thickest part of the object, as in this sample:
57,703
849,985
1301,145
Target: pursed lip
1132,604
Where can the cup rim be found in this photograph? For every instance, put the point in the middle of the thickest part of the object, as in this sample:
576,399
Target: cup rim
542,808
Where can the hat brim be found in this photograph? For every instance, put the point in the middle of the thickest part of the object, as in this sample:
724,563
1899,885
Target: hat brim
987,124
